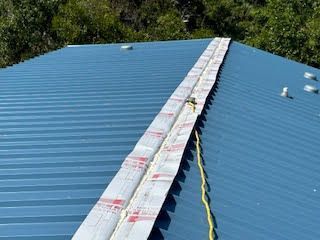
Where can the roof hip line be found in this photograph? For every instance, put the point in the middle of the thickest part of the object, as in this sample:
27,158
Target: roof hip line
132,201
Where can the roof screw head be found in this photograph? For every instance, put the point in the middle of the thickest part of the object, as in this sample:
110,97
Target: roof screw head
285,92
310,76
126,47
310,88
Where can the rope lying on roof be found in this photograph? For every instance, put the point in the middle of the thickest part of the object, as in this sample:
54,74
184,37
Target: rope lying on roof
203,188
203,181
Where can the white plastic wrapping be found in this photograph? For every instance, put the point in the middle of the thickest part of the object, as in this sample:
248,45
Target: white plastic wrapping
131,203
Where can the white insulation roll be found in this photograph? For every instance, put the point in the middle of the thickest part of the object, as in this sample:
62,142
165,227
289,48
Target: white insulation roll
131,203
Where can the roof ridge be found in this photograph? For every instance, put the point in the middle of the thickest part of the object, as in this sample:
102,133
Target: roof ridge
129,206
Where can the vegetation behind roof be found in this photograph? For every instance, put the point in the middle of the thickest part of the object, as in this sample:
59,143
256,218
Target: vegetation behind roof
30,27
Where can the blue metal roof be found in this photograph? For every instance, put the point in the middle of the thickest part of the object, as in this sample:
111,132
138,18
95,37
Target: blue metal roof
67,121
261,154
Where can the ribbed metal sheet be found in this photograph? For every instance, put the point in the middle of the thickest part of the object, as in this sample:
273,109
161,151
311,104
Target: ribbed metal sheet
67,121
261,153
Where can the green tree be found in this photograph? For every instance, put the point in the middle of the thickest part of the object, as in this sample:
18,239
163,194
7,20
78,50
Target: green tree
168,27
312,30
88,21
6,23
31,27
202,33
25,28
228,17
281,26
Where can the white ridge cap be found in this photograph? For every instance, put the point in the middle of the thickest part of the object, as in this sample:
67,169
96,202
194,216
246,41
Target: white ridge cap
131,203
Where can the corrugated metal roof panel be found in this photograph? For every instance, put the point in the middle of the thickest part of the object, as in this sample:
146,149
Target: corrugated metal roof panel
261,154
68,119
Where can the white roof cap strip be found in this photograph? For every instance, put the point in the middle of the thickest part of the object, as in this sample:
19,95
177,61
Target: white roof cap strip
129,206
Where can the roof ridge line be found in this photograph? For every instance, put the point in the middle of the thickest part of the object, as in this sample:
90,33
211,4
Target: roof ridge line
131,203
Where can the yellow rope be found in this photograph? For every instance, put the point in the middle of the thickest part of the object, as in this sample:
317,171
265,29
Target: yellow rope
203,182
203,189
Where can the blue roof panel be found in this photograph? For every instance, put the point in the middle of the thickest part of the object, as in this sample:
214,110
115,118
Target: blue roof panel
67,121
261,156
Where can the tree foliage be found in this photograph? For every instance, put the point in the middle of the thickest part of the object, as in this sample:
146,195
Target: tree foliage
31,27
88,21
25,28
284,27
